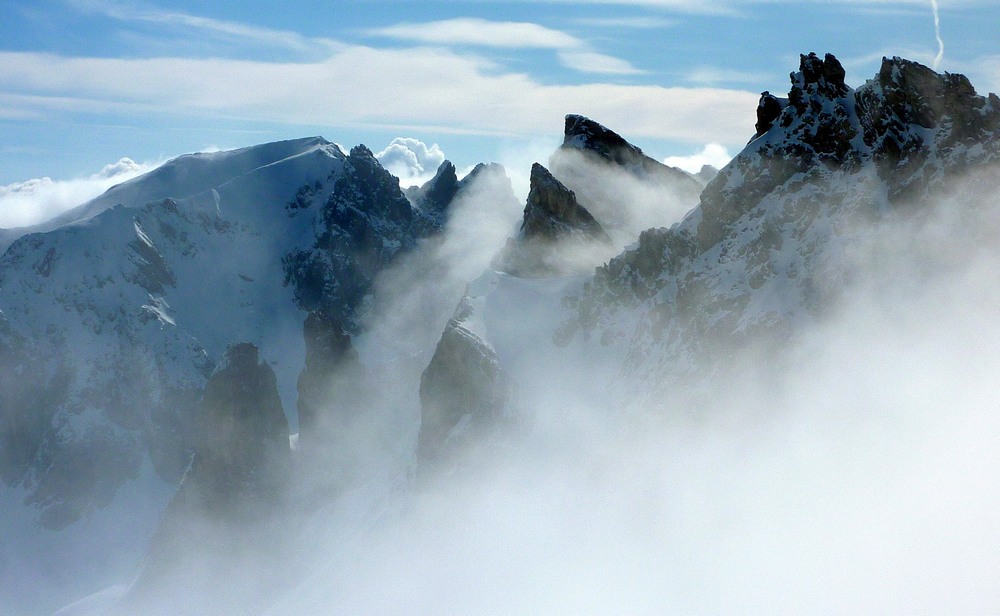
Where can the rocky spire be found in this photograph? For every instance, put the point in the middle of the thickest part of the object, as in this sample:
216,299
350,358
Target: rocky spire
552,211
586,134
554,225
434,197
328,353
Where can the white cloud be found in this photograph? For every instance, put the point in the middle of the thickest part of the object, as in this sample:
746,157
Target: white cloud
481,32
37,200
230,30
417,89
411,160
572,52
712,154
593,62
711,76
641,23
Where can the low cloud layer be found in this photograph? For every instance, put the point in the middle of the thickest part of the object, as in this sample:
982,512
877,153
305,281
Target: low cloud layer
37,200
712,154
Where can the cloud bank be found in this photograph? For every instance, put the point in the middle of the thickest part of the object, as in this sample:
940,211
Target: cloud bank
37,200
413,89
712,154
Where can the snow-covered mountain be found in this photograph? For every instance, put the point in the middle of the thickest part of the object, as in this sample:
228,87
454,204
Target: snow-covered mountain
778,233
116,313
536,448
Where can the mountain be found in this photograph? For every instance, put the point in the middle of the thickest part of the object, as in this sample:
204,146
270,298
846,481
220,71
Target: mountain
770,246
773,246
617,183
557,234
121,309
761,392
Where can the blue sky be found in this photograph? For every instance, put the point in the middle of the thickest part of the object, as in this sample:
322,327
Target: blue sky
84,83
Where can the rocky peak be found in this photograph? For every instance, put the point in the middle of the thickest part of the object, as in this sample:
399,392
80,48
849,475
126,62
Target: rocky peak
820,77
365,223
221,520
583,133
555,234
434,197
552,211
462,391
368,187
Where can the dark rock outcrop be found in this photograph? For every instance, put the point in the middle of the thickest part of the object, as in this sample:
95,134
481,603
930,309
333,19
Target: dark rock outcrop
434,198
218,544
554,224
462,391
594,139
364,225
330,359
552,212
616,182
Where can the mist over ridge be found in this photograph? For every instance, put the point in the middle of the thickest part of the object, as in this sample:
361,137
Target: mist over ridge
632,393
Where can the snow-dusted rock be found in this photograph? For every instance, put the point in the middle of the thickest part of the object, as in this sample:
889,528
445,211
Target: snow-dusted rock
770,245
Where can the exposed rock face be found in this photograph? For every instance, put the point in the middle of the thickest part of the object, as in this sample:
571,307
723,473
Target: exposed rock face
365,223
584,134
462,391
552,212
554,227
434,198
754,259
244,430
221,526
617,183
329,353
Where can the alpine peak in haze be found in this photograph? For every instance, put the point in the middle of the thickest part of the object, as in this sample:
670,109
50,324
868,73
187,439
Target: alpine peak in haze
120,309
163,329
771,244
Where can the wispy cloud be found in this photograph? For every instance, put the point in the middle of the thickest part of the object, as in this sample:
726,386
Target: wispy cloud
407,89
231,30
474,31
639,23
572,52
713,76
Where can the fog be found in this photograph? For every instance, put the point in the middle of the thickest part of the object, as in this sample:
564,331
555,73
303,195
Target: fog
849,472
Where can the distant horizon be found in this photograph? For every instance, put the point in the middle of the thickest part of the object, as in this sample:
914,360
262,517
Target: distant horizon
89,85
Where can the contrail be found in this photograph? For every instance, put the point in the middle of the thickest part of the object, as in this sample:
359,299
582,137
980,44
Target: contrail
937,34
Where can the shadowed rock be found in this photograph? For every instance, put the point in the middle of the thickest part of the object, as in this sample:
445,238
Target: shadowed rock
218,545
462,391
554,225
